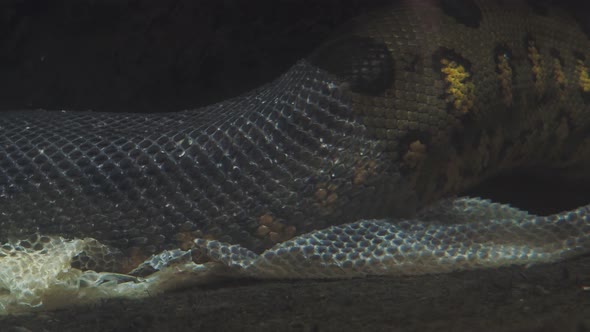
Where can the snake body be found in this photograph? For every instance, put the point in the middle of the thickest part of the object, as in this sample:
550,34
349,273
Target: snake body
405,107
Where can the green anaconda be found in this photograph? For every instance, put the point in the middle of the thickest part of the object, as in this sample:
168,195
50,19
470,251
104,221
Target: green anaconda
343,166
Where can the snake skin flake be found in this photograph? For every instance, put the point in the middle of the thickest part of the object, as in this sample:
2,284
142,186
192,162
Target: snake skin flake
503,237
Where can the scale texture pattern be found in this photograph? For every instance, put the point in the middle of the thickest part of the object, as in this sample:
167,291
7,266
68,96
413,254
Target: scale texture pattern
405,108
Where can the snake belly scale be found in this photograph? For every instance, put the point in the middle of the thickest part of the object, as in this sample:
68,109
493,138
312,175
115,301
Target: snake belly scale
343,166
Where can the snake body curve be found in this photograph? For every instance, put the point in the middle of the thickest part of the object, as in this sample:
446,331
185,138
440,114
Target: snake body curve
407,106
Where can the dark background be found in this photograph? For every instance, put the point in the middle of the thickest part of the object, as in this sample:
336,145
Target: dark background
154,55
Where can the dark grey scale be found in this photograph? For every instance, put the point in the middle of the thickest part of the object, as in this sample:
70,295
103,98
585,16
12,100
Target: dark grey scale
466,12
286,126
303,128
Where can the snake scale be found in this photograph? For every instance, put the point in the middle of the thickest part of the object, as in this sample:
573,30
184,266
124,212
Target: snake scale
403,109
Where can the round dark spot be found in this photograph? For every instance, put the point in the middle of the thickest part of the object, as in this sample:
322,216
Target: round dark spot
466,12
364,63
539,7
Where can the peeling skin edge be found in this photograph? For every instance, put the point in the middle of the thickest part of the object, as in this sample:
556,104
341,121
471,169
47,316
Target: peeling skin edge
60,295
43,278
